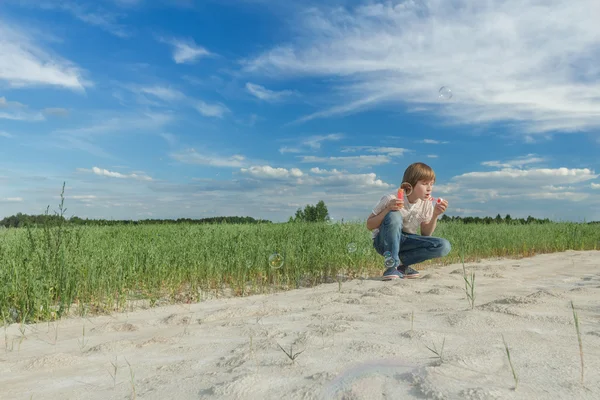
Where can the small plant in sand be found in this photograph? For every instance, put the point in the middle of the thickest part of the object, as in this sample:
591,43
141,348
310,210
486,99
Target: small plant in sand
439,354
576,319
132,378
511,364
291,355
469,283
113,374
82,342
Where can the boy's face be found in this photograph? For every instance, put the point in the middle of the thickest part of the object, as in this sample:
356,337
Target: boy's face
423,190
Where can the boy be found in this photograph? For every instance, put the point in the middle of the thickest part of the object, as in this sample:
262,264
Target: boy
394,225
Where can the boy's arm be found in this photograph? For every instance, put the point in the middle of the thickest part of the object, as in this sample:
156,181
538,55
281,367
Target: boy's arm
375,220
427,228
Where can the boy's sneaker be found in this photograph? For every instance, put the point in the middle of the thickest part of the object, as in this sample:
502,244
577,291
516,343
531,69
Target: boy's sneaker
392,273
408,272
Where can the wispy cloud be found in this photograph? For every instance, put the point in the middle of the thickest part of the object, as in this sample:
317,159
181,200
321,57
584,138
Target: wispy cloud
595,185
217,110
11,199
267,95
186,51
162,92
90,13
191,156
16,111
5,103
357,161
5,135
85,137
310,143
23,63
517,162
390,151
56,111
535,64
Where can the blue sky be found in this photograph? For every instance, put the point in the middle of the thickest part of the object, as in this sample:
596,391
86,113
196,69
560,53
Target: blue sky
169,109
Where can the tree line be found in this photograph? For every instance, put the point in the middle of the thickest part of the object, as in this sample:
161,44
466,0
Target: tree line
310,213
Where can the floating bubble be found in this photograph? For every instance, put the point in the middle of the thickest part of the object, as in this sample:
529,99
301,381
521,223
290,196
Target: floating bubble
391,378
389,262
276,260
445,93
351,247
387,254
330,221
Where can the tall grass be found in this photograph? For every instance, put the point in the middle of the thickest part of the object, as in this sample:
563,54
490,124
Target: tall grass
45,272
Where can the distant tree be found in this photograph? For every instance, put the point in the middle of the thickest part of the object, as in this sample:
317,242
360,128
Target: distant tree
316,213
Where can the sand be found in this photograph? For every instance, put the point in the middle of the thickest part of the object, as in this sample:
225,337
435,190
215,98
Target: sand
357,343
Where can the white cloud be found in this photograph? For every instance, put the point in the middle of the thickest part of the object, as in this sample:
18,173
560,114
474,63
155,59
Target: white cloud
211,110
269,172
191,156
11,200
286,149
507,178
321,178
433,141
517,162
186,51
595,185
23,63
523,186
265,94
112,174
5,135
531,62
432,156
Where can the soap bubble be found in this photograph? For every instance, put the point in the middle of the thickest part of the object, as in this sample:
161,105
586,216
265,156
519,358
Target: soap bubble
445,93
387,254
389,262
276,260
391,378
351,247
330,221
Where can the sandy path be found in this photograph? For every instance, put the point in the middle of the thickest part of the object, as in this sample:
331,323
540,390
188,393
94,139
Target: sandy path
357,342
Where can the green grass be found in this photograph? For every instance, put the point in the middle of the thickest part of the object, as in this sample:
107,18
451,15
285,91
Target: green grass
47,272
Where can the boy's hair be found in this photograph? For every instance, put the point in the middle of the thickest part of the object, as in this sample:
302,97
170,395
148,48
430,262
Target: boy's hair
418,172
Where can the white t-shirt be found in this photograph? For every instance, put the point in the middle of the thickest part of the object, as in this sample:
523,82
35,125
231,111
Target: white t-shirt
412,214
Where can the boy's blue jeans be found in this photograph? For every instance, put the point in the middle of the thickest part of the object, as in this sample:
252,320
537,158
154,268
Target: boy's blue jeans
407,248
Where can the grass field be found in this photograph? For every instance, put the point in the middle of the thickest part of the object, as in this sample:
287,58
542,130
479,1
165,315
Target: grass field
47,272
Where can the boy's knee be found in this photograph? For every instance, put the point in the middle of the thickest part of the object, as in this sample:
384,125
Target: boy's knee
444,247
393,218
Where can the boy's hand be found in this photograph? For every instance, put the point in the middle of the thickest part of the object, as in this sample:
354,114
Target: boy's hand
395,204
439,209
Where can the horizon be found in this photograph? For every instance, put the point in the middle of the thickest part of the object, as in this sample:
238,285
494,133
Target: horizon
188,109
